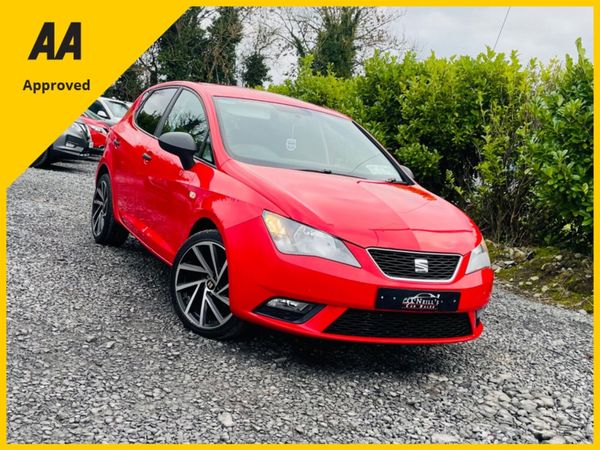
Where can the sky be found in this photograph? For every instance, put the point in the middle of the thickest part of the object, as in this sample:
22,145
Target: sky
535,32
541,32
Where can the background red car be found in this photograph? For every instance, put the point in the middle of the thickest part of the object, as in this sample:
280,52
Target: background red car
98,130
281,213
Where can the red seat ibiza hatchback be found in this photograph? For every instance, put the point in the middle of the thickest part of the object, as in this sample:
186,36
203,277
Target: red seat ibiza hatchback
284,214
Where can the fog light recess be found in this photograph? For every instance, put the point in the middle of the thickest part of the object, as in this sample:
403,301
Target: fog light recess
289,310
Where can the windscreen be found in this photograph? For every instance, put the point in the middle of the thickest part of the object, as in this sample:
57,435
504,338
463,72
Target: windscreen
118,109
285,136
92,115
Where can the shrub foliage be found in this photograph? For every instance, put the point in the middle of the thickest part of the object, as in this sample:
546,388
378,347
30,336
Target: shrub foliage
510,143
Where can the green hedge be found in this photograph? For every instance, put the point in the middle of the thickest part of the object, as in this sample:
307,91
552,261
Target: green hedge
510,143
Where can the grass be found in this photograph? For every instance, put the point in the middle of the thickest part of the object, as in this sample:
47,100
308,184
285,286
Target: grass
548,274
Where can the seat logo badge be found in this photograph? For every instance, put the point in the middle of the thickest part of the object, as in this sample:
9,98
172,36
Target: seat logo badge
421,265
290,144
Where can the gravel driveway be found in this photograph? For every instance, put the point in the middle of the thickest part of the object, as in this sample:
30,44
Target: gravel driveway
95,354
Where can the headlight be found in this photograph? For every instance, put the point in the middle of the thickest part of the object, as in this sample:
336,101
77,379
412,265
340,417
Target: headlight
294,238
480,258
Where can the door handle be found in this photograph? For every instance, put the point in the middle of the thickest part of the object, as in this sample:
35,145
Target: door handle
116,142
147,157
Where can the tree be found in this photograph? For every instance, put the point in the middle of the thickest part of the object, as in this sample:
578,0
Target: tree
150,64
340,38
259,42
335,48
183,48
129,85
199,46
225,33
255,70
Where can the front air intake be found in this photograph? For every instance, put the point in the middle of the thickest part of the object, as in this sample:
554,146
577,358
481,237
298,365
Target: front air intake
386,324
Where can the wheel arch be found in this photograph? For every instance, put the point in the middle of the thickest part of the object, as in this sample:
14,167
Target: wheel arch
204,223
208,220
102,169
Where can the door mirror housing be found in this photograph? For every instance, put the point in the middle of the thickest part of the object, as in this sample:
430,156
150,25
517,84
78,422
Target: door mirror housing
102,114
408,172
179,144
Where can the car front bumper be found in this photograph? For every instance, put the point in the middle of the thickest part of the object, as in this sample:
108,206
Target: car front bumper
258,272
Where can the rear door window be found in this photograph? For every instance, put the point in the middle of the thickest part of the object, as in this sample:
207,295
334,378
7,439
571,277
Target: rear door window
154,107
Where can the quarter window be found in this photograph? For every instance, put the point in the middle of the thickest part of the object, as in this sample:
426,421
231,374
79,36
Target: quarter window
153,108
187,115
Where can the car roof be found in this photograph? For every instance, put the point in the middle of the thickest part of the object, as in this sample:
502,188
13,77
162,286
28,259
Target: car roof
107,99
219,90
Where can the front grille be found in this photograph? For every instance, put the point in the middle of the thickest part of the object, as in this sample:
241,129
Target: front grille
384,324
401,264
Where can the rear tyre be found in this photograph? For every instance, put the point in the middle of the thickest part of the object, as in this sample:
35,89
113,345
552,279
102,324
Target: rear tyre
200,288
105,229
44,160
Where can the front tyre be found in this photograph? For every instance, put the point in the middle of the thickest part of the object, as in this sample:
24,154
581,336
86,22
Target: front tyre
105,229
200,287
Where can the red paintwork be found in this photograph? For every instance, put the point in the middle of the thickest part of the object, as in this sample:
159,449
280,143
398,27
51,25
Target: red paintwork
152,200
98,138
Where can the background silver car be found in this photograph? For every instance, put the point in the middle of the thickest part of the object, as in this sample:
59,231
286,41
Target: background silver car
109,109
74,142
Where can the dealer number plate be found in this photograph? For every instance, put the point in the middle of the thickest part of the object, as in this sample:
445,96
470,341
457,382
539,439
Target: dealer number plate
410,300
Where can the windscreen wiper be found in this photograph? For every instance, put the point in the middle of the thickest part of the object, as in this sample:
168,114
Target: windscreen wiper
328,171
331,172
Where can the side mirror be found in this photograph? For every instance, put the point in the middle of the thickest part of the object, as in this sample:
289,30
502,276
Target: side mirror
102,114
408,172
180,144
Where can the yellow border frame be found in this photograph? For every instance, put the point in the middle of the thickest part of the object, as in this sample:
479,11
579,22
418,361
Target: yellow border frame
19,30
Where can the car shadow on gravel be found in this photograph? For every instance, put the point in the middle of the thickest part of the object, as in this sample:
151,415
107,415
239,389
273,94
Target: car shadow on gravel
67,167
270,347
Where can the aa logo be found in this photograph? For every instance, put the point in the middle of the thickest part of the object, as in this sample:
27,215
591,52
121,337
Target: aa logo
71,42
